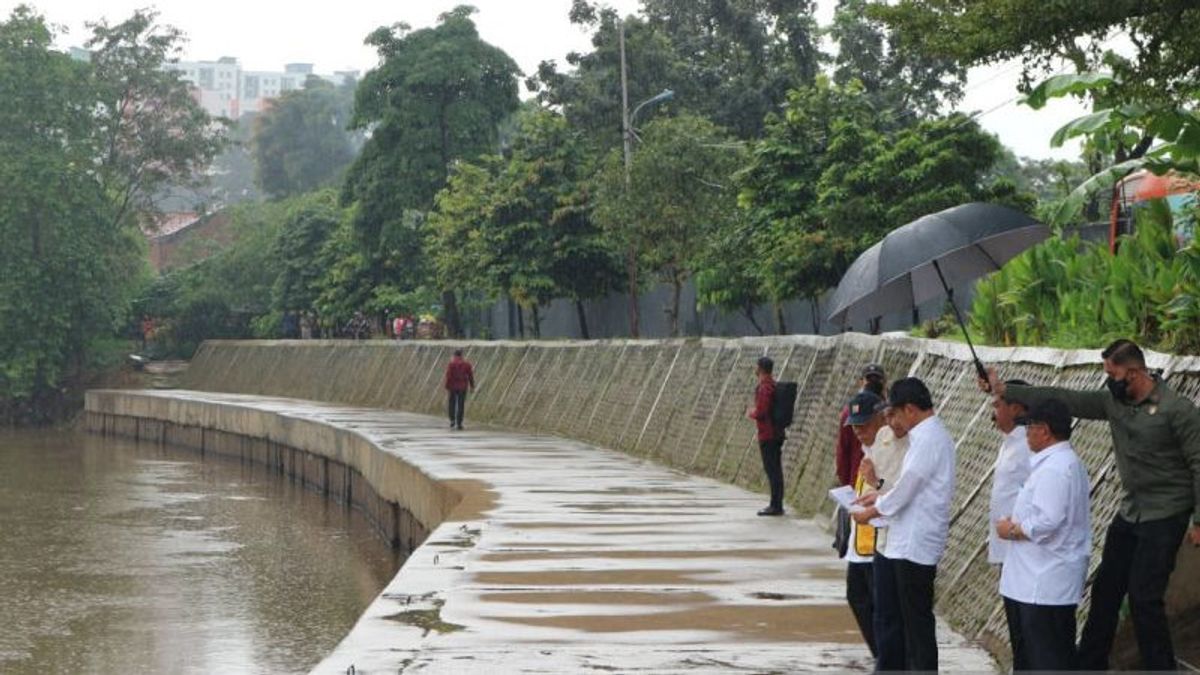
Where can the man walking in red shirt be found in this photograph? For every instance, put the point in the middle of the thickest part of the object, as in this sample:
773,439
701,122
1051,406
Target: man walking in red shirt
459,377
770,439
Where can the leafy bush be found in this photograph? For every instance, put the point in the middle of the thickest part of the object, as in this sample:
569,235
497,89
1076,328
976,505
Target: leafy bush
1067,293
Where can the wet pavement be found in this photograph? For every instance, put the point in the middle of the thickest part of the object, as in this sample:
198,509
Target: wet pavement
582,559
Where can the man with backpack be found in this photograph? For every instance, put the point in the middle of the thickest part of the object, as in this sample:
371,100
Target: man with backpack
772,414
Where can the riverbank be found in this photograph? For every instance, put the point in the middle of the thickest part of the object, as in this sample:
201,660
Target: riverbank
545,554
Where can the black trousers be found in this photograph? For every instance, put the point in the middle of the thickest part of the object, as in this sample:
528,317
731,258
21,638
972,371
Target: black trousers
1042,636
1138,559
861,597
458,406
772,459
905,628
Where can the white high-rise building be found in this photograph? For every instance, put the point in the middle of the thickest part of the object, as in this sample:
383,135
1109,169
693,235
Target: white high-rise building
225,90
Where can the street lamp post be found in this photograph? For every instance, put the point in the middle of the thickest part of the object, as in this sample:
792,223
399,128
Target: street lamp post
627,120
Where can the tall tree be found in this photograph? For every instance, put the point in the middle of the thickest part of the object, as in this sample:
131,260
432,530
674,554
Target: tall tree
301,142
437,97
83,147
904,84
731,61
519,226
154,134
306,227
680,194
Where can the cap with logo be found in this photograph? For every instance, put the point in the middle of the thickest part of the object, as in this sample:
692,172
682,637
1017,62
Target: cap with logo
863,407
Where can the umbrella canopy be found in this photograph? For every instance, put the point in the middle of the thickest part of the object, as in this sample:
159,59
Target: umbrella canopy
920,261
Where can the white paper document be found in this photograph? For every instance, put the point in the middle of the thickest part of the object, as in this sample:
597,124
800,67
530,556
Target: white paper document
844,497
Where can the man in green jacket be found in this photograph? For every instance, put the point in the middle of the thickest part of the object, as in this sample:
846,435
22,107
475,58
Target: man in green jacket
1156,444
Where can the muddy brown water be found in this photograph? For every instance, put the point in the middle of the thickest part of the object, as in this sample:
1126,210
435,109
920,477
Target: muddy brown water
119,557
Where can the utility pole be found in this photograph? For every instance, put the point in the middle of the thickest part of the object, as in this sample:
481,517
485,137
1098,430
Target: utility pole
627,137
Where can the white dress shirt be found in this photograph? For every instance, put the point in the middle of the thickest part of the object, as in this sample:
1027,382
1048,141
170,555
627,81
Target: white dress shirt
918,505
1049,566
887,454
1012,468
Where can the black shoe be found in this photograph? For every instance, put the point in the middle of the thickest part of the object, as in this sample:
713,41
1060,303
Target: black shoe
452,427
460,427
771,511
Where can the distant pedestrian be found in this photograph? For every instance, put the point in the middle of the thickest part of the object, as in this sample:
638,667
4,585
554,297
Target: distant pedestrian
1156,448
460,377
917,509
770,439
1050,537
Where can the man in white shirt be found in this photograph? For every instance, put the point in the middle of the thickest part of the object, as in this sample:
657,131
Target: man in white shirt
1050,532
1011,469
883,454
918,512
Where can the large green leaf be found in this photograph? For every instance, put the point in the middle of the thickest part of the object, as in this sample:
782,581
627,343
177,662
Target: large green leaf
1066,85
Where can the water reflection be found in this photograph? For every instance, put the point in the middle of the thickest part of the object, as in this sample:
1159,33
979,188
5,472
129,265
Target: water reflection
119,557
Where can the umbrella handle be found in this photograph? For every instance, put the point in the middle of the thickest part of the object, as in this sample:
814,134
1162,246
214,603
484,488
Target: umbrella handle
979,369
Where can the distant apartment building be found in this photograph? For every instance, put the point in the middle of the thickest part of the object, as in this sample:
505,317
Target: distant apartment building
224,89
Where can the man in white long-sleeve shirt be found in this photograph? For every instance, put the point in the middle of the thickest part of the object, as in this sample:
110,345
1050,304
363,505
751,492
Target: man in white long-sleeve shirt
1050,532
1011,469
918,512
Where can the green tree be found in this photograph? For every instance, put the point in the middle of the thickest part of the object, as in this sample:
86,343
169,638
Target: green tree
1161,69
519,226
307,226
825,183
729,61
903,83
153,134
680,194
83,147
437,97
301,142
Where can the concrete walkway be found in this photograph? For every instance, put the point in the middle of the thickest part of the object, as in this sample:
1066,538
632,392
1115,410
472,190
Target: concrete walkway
578,559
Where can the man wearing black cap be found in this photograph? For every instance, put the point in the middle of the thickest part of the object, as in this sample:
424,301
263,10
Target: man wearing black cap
848,451
770,439
1156,448
866,422
1050,538
917,509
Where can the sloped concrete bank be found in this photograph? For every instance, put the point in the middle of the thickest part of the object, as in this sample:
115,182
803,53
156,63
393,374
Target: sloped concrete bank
681,402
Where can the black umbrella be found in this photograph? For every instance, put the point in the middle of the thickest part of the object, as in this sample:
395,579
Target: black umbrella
920,261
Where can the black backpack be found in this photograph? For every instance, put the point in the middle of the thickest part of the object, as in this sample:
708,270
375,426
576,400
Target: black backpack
783,404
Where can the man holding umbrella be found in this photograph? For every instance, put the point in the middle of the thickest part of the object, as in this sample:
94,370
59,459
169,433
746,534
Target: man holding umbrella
1156,447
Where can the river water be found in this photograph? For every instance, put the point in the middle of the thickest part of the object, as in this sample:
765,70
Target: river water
120,557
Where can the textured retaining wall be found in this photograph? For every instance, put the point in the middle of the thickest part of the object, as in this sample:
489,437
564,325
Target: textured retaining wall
682,403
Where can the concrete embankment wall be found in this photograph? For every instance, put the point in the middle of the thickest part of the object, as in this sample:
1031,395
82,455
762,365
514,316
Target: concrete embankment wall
400,501
682,404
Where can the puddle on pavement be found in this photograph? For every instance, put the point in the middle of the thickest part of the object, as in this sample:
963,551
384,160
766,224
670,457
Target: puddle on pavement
757,623
644,577
598,598
749,553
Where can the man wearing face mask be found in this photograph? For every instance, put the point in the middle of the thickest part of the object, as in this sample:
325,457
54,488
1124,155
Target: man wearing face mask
1156,444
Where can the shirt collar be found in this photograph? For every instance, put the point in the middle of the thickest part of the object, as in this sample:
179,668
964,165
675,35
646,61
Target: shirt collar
1039,457
1017,435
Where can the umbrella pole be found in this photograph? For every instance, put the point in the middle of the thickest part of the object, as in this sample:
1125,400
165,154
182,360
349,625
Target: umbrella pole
979,369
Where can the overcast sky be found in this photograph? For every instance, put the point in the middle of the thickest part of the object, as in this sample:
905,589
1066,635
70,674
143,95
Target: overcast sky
265,35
